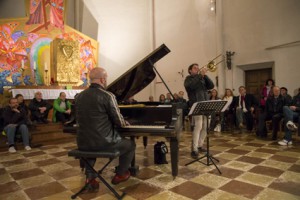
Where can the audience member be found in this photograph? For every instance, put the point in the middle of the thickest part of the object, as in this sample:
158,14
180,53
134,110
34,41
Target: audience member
24,107
97,115
151,98
273,111
215,116
15,119
245,105
39,108
284,93
291,113
227,115
162,98
197,86
61,109
168,98
265,92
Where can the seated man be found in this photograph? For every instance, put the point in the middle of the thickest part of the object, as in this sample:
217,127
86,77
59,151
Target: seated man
290,113
284,94
97,114
245,105
61,109
39,108
15,122
273,110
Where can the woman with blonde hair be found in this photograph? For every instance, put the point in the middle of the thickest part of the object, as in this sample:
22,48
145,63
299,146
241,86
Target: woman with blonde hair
228,113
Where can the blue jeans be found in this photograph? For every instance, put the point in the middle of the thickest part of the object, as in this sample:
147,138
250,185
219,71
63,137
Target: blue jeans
12,129
289,115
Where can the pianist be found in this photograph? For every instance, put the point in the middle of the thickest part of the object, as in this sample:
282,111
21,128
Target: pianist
97,114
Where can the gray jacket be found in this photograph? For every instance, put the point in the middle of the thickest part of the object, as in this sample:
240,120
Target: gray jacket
196,87
97,114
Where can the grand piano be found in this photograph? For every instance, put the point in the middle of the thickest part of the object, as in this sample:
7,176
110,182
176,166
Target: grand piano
146,119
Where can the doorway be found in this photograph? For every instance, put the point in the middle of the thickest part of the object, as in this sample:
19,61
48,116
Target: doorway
256,79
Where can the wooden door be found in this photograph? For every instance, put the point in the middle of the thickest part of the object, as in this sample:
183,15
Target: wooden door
255,80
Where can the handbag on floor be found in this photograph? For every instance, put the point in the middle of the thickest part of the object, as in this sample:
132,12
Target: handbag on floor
160,151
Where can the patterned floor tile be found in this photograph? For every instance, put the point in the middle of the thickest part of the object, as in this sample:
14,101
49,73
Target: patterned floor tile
191,190
210,180
241,188
44,190
275,194
142,190
251,169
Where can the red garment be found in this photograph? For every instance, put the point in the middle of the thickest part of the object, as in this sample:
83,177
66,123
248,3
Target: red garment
242,101
35,12
57,13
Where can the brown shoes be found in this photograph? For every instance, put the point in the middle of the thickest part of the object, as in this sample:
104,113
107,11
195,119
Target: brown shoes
120,178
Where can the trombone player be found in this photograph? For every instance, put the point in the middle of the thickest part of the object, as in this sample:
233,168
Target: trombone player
197,84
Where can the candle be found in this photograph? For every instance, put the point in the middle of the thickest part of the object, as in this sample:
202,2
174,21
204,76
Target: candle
22,64
34,65
46,67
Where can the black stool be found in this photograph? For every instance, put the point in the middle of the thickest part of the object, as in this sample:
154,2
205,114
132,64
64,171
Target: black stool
84,155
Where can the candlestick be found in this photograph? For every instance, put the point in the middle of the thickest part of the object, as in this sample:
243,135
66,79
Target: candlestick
46,67
34,76
34,66
22,83
22,64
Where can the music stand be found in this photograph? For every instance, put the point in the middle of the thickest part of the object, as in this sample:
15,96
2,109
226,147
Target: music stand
207,108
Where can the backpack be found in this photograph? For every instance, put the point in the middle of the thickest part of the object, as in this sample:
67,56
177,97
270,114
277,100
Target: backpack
160,151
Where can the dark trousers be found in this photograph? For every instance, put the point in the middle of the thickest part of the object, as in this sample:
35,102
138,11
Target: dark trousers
62,117
127,151
262,129
38,116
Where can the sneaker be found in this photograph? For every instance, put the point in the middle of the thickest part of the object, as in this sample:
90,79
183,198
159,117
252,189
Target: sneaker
285,142
28,148
194,154
12,149
241,125
291,126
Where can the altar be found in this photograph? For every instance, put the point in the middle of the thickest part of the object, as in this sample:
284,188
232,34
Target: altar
48,92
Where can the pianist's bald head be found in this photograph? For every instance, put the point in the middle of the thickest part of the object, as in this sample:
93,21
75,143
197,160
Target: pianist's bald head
98,75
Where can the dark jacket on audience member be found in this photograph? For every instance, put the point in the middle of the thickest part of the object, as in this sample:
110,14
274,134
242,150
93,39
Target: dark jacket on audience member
296,102
97,114
250,101
35,105
12,117
273,106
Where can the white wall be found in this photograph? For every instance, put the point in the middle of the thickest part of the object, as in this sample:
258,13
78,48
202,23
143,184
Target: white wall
124,33
251,26
129,30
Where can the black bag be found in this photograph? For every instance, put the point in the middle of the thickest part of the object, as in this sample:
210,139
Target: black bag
160,151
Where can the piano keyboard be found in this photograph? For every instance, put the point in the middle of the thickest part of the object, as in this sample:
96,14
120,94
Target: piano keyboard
145,126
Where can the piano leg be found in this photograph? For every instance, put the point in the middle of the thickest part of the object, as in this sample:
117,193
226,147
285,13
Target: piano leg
134,169
174,156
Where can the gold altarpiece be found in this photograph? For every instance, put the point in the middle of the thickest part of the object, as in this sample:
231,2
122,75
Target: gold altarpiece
65,67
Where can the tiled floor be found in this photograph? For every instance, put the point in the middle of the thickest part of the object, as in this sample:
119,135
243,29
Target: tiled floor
251,169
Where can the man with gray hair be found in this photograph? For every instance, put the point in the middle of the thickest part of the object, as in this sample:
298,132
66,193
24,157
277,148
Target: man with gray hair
97,114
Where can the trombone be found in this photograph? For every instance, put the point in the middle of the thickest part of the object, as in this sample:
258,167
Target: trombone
212,65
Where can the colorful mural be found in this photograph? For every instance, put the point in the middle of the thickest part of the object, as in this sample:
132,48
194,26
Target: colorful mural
27,41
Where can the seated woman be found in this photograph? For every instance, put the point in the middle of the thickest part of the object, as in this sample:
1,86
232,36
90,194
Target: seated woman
215,116
61,109
227,115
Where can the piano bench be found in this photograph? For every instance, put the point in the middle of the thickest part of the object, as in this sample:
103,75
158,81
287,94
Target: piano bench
85,155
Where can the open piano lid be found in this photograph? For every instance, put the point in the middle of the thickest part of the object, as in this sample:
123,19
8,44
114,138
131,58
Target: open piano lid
137,77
